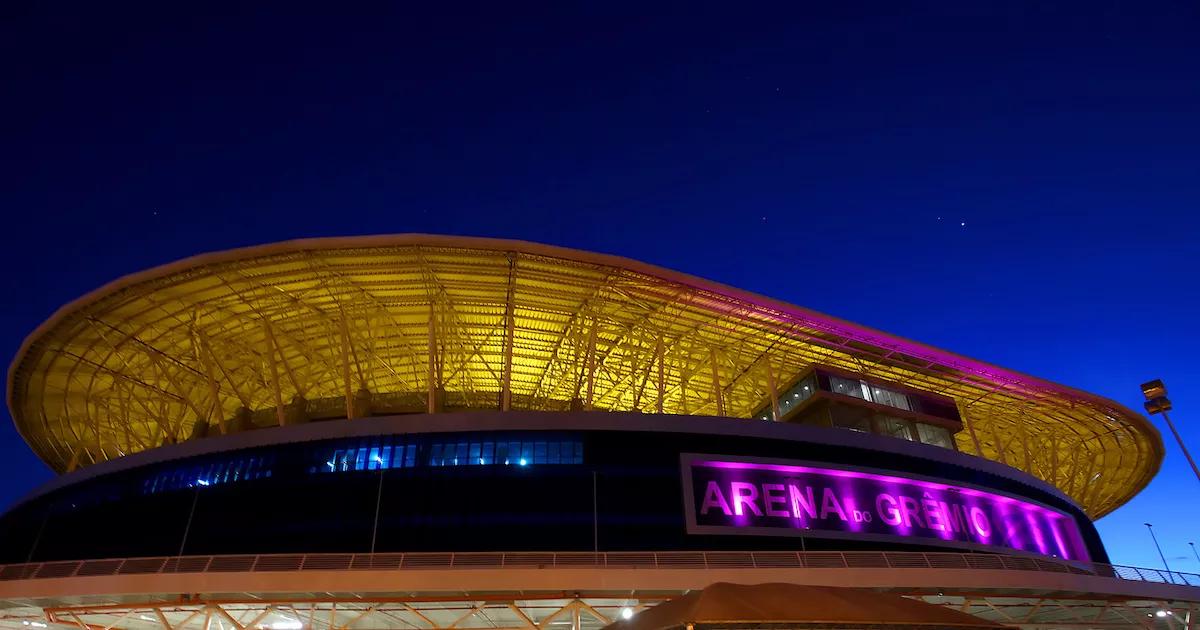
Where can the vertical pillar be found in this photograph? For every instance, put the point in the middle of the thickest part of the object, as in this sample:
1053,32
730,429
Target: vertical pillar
591,366
204,354
716,384
662,382
431,394
772,389
274,372
962,413
346,367
509,327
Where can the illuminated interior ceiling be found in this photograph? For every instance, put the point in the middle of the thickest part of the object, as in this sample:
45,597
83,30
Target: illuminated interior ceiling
416,322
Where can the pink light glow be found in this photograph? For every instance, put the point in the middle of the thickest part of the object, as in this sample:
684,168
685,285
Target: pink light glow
868,503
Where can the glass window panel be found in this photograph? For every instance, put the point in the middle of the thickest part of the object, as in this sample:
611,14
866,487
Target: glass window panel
890,398
934,435
398,456
852,423
527,452
539,452
460,456
552,453
435,455
473,456
847,387
385,457
360,459
410,456
488,453
502,452
579,452
373,459
894,427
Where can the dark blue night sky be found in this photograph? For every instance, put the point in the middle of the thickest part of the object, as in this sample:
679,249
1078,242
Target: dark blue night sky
1017,182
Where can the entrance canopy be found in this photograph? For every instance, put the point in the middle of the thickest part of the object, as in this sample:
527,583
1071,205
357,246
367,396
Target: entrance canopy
725,605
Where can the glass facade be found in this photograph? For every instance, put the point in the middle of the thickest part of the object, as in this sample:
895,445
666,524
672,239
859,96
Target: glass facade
506,453
894,427
211,473
871,393
934,435
841,414
792,397
387,452
625,496
371,453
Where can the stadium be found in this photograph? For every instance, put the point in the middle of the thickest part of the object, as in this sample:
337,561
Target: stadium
437,432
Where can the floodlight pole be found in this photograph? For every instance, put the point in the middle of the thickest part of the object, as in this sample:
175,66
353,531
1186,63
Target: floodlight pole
1181,446
1157,402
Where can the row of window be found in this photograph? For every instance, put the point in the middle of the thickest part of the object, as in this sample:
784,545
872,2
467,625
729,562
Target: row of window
379,454
902,428
373,453
506,453
376,457
869,392
210,474
806,387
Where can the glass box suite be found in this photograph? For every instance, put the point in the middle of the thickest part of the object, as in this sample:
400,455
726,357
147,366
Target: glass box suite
470,491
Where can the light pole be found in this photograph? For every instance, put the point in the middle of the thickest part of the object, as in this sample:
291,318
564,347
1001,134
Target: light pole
1160,553
1157,402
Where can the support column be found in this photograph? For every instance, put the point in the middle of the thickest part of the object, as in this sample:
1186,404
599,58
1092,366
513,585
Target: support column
346,368
200,347
273,372
591,366
716,384
509,327
662,383
431,394
772,389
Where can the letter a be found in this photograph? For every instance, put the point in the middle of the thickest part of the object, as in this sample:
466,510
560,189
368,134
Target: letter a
714,498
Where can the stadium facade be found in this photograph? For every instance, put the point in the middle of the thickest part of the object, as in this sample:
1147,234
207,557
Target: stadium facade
444,432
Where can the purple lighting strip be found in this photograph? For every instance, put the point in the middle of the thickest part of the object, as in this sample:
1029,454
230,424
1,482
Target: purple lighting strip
773,499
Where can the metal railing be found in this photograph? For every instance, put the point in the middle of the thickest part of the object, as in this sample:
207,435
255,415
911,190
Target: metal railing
584,560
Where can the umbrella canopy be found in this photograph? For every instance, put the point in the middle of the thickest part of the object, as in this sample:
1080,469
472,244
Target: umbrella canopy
793,605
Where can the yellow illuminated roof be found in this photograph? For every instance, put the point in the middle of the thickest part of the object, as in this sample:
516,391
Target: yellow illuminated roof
484,323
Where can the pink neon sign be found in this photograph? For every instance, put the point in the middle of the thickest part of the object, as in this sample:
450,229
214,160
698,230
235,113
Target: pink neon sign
724,496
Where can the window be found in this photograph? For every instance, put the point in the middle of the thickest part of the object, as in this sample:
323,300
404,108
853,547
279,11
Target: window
895,427
379,454
890,398
208,473
850,418
934,435
848,387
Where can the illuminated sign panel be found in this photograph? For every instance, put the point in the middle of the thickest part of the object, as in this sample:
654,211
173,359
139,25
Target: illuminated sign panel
726,495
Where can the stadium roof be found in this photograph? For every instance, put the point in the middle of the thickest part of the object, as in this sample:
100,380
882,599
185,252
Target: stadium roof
486,323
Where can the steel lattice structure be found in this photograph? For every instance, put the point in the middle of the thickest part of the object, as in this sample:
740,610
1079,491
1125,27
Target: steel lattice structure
342,327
